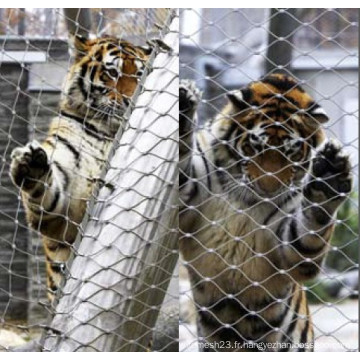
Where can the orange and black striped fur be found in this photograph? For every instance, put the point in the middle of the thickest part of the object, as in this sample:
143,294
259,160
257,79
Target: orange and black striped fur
260,189
57,177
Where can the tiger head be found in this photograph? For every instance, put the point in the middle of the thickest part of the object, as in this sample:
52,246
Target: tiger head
266,134
104,76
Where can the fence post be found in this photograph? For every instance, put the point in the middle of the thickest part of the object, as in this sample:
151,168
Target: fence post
128,249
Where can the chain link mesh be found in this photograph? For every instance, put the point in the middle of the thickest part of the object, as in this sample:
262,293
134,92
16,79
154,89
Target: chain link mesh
118,279
225,49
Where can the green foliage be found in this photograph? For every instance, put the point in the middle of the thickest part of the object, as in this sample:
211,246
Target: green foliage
342,257
345,256
318,292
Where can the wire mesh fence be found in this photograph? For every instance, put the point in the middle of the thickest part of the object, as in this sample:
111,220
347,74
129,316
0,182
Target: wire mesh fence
246,280
94,161
238,291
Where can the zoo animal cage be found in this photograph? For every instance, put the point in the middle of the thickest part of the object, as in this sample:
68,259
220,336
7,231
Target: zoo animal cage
118,281
225,49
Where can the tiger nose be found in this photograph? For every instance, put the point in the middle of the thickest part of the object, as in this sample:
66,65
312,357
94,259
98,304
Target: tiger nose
126,100
270,171
270,182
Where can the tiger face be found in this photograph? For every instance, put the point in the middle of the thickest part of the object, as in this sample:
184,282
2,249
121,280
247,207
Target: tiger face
104,76
270,129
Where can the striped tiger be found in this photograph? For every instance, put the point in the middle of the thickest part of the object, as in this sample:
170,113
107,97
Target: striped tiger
57,177
260,188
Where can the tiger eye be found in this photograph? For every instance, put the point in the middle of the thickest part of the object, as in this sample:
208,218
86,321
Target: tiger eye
113,73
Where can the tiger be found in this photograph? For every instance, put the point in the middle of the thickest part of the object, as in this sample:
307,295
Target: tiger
260,186
58,177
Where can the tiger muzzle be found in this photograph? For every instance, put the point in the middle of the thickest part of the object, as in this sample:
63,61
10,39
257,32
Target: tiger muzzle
270,172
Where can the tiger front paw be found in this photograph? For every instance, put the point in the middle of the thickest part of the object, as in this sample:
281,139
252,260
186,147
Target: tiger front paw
331,179
189,98
28,165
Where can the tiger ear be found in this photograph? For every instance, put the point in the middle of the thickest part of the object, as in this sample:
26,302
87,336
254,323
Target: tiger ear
78,45
240,98
155,44
315,116
146,49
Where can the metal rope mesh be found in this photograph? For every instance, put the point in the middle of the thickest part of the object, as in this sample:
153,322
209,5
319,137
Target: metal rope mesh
119,274
117,282
225,49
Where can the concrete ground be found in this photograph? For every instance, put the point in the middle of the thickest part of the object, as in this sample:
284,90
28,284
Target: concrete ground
336,326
